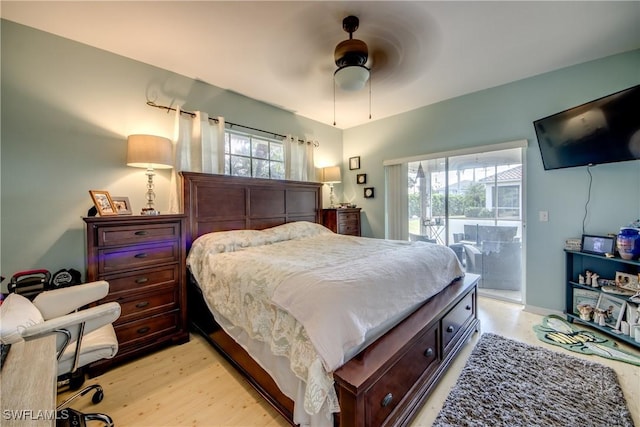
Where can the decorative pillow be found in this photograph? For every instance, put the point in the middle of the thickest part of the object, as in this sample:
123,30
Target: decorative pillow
295,230
16,314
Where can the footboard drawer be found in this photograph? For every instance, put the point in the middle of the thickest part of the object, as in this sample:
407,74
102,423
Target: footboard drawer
454,322
391,388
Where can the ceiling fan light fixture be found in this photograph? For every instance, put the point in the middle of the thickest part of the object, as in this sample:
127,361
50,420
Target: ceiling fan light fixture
351,77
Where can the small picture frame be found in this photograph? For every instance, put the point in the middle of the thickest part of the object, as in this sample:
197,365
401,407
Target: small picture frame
103,202
627,281
369,193
584,297
614,308
361,178
122,205
354,163
599,245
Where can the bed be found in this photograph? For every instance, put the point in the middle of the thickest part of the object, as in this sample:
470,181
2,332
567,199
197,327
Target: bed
377,374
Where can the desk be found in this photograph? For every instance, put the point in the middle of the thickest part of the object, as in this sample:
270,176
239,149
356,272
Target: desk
28,384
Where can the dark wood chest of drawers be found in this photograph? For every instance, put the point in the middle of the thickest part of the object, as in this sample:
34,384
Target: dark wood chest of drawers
143,259
342,220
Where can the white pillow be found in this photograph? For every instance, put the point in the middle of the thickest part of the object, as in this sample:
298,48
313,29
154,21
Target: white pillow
16,314
295,230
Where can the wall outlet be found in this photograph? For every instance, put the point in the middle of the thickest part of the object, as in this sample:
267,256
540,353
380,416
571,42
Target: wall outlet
543,216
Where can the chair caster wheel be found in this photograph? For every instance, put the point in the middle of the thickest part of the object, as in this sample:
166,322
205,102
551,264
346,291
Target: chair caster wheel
97,396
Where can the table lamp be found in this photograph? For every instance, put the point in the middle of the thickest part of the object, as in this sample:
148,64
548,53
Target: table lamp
330,176
151,152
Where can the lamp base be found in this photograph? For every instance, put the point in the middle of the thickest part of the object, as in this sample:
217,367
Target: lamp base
149,211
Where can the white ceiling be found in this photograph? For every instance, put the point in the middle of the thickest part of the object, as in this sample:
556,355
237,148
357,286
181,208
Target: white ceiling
282,52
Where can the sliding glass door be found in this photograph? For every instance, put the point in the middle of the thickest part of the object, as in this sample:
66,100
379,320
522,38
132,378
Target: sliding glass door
474,204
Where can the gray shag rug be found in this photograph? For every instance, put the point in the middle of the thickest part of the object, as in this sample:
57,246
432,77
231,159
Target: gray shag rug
510,383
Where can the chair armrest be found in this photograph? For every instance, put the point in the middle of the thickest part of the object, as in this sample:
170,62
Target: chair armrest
94,318
59,302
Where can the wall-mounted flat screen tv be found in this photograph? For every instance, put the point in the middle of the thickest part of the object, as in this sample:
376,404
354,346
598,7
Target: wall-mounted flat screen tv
605,130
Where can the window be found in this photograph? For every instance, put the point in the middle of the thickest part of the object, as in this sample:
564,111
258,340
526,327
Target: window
252,156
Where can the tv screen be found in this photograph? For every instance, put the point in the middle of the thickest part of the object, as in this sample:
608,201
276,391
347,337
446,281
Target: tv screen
601,131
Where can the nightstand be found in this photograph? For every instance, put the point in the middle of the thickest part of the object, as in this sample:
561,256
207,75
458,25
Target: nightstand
143,259
342,220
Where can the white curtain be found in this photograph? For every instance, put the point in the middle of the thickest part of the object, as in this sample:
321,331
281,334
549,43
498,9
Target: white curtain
396,203
198,146
299,163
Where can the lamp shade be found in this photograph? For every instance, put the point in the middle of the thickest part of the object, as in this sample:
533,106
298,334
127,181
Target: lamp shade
149,151
351,77
331,175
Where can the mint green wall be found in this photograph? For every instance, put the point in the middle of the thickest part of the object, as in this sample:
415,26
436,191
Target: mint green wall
67,109
502,114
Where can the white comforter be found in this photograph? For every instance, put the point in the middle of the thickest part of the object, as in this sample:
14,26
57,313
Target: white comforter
312,294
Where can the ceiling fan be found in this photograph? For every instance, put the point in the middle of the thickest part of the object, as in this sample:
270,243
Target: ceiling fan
351,57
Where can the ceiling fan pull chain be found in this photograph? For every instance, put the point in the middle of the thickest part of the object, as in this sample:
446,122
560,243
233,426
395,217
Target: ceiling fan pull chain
334,102
369,98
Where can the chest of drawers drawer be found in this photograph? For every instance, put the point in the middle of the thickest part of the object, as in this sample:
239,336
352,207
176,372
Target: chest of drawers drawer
143,280
136,234
143,259
141,332
138,256
134,306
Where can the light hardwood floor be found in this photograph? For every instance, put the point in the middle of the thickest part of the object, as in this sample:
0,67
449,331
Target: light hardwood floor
191,385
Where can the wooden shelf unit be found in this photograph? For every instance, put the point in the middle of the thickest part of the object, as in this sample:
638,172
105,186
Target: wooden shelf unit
579,262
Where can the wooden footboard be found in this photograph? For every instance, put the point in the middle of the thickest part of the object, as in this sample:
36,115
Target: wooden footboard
387,383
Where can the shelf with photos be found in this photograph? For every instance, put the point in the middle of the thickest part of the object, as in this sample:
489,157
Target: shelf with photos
604,293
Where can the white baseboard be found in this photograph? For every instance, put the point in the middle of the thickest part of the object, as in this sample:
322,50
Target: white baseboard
541,310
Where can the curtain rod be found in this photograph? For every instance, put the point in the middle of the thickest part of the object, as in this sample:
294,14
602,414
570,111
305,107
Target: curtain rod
164,107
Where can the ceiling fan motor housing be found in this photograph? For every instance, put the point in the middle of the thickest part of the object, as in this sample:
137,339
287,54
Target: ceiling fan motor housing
351,51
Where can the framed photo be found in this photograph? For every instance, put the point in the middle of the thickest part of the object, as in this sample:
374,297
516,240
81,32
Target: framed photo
368,193
584,297
104,203
614,309
599,245
361,178
354,163
122,205
627,281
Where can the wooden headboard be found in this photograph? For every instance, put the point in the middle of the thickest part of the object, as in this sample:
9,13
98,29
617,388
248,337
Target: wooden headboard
222,202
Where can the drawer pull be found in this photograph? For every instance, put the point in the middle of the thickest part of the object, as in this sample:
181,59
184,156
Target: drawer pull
142,280
428,352
141,233
142,304
468,307
143,330
141,255
450,329
387,400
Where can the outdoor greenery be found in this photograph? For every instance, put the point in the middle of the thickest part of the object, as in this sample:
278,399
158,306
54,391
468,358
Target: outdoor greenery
469,204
